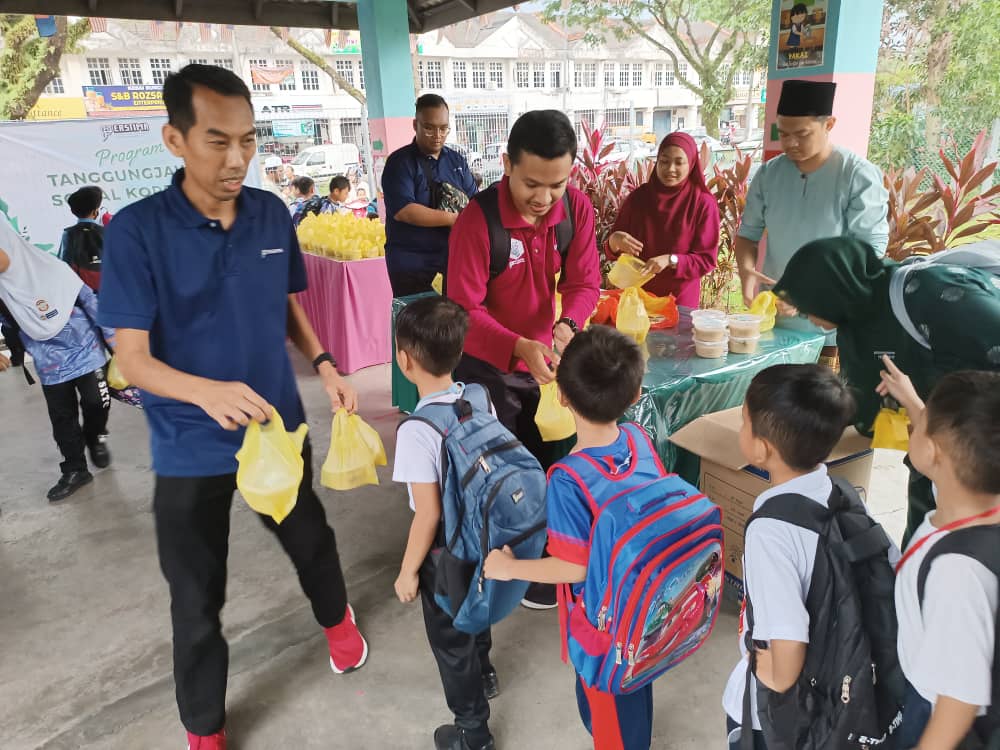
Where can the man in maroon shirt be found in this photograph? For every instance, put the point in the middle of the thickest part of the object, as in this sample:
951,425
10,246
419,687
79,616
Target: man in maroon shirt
546,228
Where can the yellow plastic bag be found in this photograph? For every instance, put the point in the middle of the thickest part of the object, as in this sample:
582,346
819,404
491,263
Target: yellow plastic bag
633,320
438,284
627,272
350,462
892,430
555,421
765,305
270,467
372,439
115,378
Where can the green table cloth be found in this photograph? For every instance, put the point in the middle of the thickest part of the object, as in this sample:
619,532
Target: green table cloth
404,393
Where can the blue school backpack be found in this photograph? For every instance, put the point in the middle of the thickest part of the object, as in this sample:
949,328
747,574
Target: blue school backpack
492,494
654,570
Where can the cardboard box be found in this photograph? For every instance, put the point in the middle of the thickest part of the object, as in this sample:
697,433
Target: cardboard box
734,486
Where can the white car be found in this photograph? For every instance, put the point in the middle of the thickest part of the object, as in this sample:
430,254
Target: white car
328,160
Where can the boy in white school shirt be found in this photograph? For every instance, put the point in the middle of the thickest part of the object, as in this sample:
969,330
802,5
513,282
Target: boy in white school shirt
793,417
947,641
430,336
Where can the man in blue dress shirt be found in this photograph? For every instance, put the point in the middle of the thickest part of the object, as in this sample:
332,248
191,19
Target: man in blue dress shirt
418,221
200,281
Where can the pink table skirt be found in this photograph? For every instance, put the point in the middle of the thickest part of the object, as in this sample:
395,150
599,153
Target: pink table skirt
350,306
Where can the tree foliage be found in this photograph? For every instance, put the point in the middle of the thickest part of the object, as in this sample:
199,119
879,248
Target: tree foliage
735,38
28,62
320,62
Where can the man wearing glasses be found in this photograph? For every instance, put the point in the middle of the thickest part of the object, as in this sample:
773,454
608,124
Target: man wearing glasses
425,185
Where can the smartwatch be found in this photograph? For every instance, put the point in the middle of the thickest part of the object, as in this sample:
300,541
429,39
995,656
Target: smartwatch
570,323
324,357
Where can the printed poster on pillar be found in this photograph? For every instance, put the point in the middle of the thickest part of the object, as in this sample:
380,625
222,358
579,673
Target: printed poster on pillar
45,162
801,34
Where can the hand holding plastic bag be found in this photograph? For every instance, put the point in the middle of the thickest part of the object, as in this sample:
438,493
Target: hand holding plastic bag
892,430
765,305
554,421
270,467
632,317
350,463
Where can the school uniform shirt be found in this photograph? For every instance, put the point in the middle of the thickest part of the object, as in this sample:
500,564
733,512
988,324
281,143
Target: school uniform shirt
418,446
215,304
521,301
946,647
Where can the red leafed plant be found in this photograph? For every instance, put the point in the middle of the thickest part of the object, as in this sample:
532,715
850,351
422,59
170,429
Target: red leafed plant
922,222
729,185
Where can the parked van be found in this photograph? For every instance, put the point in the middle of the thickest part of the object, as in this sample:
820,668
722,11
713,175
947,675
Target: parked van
326,161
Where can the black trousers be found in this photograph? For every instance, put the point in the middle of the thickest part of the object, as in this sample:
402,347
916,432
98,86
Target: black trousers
87,395
462,658
407,284
192,536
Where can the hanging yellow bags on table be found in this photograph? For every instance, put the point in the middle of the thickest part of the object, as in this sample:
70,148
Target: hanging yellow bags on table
554,421
115,378
892,430
633,320
270,467
765,305
355,449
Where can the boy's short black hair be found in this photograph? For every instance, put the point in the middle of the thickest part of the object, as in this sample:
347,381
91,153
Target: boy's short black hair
340,183
547,133
430,101
600,374
963,413
178,91
432,331
303,184
799,9
85,201
802,410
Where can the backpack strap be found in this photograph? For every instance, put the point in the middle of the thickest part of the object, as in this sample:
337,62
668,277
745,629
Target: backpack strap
566,228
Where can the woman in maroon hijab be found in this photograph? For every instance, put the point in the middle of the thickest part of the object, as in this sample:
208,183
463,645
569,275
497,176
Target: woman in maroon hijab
672,222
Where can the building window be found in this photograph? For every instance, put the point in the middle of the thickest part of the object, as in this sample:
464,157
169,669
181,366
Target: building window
223,62
617,118
682,69
192,61
310,77
289,83
160,67
130,70
432,76
637,70
521,75
609,75
258,86
639,114
555,75
496,74
55,86
345,68
623,76
361,75
744,78
478,75
350,131
585,75
100,71
538,75
582,116
460,74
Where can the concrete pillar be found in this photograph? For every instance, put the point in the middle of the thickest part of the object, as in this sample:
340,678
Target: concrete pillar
385,54
840,45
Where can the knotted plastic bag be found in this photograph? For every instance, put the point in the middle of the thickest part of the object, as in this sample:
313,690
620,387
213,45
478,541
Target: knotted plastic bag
438,284
115,378
350,463
892,430
554,421
270,467
664,308
632,317
765,305
372,439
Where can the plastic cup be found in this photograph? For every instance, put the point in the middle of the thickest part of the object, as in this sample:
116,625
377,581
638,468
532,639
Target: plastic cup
739,345
745,325
710,349
710,330
627,271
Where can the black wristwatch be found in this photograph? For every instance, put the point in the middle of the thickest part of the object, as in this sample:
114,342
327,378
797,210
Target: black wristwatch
569,322
324,357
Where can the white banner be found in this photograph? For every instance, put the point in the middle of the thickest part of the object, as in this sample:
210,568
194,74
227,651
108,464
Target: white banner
44,162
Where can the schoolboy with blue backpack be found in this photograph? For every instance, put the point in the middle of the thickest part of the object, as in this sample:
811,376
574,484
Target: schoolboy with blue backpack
637,552
473,488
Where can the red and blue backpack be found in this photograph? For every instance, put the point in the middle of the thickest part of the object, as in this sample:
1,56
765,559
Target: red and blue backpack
654,570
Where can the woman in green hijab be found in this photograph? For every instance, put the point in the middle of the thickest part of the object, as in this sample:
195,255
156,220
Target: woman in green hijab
841,283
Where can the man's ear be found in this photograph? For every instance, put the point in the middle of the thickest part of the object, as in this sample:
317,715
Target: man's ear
173,139
414,125
830,122
507,166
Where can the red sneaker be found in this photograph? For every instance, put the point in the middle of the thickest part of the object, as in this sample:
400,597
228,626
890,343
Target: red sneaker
216,741
348,650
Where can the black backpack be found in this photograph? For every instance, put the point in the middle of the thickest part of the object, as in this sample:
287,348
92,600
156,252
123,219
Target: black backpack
981,543
83,250
850,692
489,204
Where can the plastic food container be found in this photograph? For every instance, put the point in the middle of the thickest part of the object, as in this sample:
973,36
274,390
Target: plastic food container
701,315
627,271
745,325
710,349
739,345
710,330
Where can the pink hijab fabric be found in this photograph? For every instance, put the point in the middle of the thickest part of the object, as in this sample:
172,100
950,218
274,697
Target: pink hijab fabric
681,220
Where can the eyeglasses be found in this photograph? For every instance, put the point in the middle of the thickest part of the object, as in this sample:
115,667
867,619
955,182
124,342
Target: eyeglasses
431,130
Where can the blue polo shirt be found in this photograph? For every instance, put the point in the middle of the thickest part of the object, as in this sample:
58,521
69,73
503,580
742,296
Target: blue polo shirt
215,303
409,248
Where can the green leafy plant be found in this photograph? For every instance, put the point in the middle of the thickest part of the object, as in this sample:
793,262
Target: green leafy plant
729,185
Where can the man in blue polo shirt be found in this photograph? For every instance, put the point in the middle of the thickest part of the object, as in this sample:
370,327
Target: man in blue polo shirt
425,185
200,281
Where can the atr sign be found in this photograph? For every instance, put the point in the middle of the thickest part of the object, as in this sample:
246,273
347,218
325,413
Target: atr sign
115,101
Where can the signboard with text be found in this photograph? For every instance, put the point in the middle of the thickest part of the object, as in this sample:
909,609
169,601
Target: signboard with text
115,101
